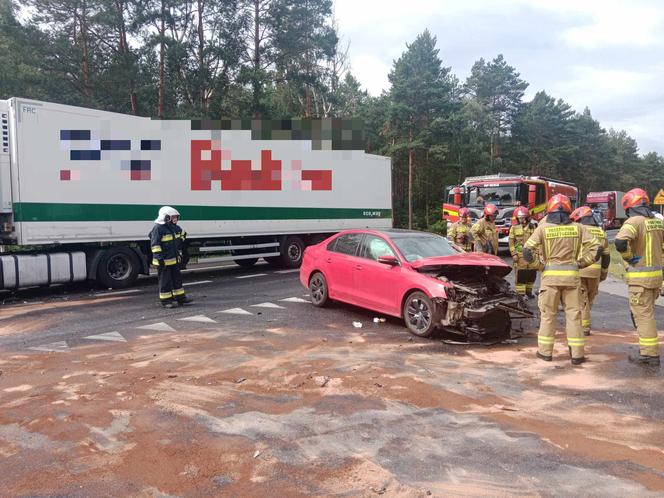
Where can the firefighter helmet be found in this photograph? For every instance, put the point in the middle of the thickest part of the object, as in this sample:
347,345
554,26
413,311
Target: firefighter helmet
490,210
559,202
634,198
522,211
581,212
463,212
166,214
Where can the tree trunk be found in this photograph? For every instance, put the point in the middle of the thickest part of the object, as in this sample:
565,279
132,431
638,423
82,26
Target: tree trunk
162,54
410,178
87,86
255,83
201,58
126,55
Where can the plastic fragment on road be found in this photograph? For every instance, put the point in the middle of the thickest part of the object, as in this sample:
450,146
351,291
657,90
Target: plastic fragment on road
357,325
256,454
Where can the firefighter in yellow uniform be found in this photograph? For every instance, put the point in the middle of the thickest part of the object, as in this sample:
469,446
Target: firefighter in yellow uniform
459,232
639,242
484,233
595,273
565,248
525,273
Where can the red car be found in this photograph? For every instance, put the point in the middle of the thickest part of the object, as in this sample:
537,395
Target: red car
417,276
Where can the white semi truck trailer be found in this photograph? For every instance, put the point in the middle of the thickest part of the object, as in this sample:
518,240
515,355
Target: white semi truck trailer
80,189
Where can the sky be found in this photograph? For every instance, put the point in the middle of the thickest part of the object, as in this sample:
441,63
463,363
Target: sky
607,55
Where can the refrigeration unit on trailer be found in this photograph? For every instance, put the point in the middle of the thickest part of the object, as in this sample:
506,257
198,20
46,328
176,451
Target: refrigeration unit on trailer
80,189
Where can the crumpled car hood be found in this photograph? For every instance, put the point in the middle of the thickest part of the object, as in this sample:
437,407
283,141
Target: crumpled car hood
481,261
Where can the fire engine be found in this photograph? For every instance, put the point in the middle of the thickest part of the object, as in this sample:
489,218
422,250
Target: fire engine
609,206
507,192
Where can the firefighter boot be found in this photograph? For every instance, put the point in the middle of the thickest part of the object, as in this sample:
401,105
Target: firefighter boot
185,301
169,304
644,360
544,357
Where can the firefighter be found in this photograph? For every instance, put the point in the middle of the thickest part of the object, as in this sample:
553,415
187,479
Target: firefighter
484,233
166,241
565,247
639,242
525,273
595,273
459,232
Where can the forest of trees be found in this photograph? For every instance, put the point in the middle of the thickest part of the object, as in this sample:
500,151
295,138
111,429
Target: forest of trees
275,59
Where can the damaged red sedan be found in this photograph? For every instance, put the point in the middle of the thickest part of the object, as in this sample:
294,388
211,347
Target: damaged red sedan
417,276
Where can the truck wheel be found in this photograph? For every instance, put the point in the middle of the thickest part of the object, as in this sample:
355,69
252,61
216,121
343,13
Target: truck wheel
419,314
318,290
246,263
118,268
292,250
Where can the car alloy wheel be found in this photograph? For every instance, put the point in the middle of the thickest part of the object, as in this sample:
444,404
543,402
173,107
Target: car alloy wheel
318,290
419,314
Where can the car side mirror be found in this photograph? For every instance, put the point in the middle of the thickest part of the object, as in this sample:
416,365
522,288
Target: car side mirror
388,259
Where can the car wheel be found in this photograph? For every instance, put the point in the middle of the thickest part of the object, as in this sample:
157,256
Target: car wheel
318,290
419,314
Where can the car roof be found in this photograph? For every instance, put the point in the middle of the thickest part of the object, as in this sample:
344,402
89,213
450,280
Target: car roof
391,232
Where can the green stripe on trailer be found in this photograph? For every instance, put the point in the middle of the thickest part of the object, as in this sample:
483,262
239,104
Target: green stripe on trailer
51,212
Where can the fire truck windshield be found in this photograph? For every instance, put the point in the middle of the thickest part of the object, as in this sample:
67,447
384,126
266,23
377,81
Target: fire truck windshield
500,195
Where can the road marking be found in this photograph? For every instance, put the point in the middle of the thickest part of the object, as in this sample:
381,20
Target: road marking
158,326
108,336
52,347
235,311
252,275
294,300
117,293
198,318
189,284
268,305
288,271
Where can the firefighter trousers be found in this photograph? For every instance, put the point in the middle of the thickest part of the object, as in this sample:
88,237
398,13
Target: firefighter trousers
642,305
589,291
550,298
524,280
170,283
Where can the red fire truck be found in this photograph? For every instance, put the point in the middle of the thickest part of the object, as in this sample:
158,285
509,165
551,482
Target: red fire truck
506,192
610,207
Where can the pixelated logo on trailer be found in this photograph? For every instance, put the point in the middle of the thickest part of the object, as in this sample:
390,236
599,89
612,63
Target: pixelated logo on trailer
85,145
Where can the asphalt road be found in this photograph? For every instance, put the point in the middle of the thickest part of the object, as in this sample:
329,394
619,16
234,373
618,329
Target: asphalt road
254,392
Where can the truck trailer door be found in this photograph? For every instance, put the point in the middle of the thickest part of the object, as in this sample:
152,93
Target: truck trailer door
5,161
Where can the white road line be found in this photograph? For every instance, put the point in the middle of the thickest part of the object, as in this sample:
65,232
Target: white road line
118,293
197,318
53,347
253,275
268,305
189,284
294,300
164,327
235,311
288,271
108,336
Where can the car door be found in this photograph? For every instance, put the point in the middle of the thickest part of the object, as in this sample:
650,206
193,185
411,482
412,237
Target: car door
341,260
378,285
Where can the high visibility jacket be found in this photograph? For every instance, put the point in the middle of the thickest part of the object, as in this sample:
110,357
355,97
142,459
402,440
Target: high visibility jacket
596,270
459,233
166,243
645,237
564,249
485,234
518,236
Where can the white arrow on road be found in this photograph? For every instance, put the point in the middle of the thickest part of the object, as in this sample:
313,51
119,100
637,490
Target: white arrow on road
235,311
268,305
108,336
198,318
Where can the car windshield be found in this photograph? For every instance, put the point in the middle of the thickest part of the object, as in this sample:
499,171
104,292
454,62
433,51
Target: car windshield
414,247
500,195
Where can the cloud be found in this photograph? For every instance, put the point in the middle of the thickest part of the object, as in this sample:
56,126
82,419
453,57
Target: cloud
603,54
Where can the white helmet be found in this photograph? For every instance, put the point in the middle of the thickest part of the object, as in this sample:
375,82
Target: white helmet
165,214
